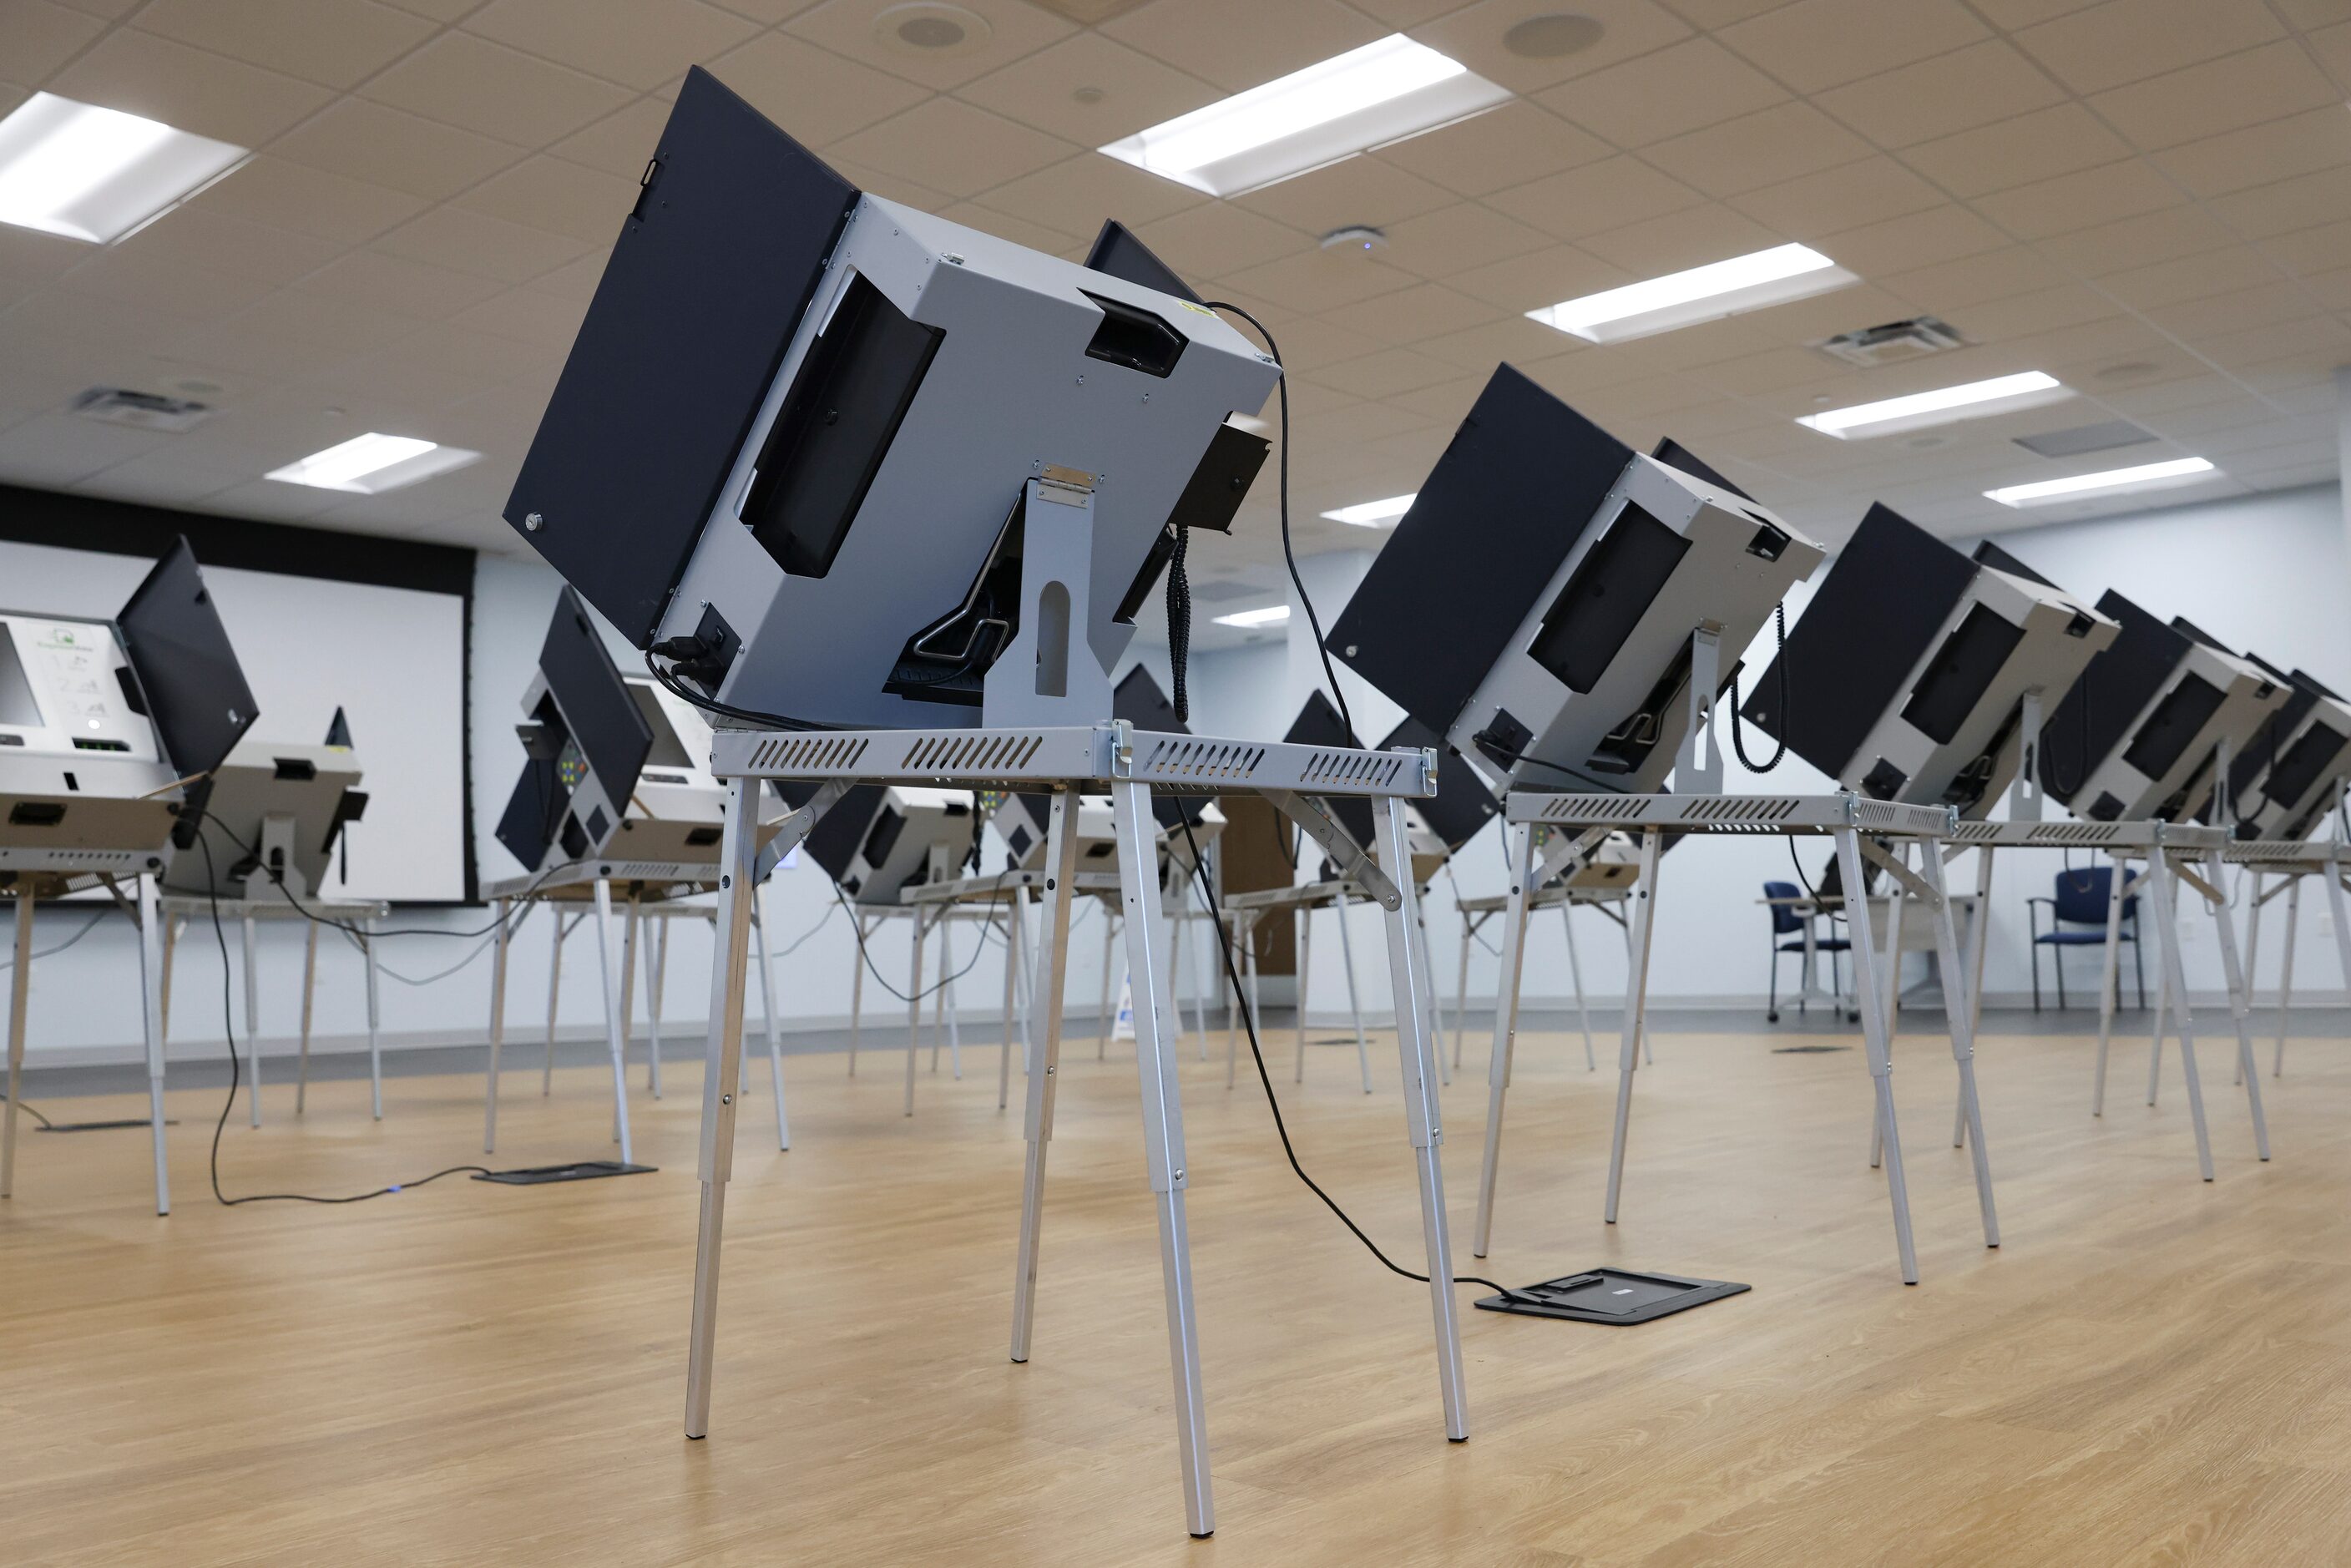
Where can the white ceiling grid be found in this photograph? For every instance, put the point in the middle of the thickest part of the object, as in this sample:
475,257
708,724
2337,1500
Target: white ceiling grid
2150,199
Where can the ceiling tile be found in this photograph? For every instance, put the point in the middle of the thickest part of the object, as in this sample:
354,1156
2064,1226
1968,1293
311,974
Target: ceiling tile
2213,314
1218,239
2022,316
140,73
1760,149
2014,14
2220,95
887,184
198,236
484,246
1845,197
1020,231
529,316
1975,86
2191,278
2298,144
385,147
295,196
1089,90
1075,196
819,98
153,275
487,88
60,448
391,283
1351,191
1312,344
1539,278
1411,315
622,144
2077,201
2138,242
1474,35
1675,242
1390,372
2304,202
642,43
1599,196
2313,250
1455,238
1507,145
1946,287
1900,245
1711,14
337,42
848,28
1817,44
2017,152
953,147
1513,340
1239,44
36,38
561,197
2129,40
1694,83
1321,280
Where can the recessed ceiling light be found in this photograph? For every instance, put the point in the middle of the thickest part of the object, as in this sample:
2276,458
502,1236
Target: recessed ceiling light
2147,475
1265,615
1705,293
2002,394
372,463
931,29
1551,37
96,175
1374,514
1382,91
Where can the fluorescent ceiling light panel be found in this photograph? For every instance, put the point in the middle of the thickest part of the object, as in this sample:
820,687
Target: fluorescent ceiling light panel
1379,93
1374,514
372,463
1265,615
2002,394
2145,476
96,175
1705,293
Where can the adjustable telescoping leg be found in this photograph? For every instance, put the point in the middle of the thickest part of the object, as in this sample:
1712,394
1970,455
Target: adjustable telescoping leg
1044,1075
1163,1128
1575,974
2110,977
857,991
498,1028
1506,1021
554,995
252,1017
1643,933
1417,1049
2286,975
615,1037
730,955
2253,947
2160,884
947,999
768,1011
1873,1011
2333,873
628,935
1354,1002
1963,1034
1302,921
1978,923
1461,992
374,1022
914,1007
309,993
1243,926
1109,970
2248,1072
151,933
656,976
20,990
171,927
1428,996
1012,973
1895,907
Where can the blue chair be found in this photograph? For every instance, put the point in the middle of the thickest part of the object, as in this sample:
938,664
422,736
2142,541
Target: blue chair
1787,923
2080,900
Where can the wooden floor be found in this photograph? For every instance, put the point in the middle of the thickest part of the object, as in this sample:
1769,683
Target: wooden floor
2151,1369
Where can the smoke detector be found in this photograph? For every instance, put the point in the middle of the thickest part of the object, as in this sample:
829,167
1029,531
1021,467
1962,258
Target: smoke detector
1356,236
1893,343
1551,37
140,410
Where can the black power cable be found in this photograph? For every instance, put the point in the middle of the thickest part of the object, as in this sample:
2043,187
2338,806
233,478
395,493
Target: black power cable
1179,622
29,1109
1199,879
920,991
1737,734
236,1067
1305,601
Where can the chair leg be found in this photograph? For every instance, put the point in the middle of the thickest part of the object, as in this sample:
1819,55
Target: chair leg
1771,1009
2037,977
2057,959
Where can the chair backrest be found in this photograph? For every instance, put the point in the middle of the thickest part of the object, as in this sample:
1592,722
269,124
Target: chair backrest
1784,919
2081,895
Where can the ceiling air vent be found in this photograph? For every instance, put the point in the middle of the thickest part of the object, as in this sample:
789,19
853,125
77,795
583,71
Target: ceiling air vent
2104,437
1892,343
140,410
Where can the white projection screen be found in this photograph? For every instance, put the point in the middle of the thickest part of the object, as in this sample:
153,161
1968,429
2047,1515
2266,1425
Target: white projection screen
391,654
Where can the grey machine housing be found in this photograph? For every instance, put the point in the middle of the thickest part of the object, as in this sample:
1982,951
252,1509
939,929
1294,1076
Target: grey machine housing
880,840
1923,675
290,804
107,727
802,438
1552,595
2163,703
2283,784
